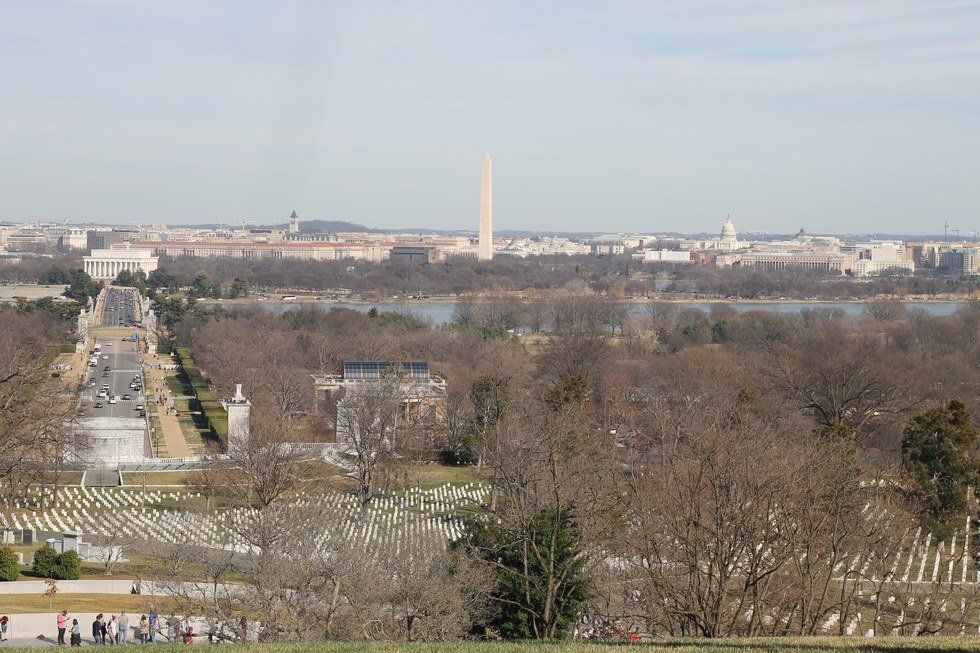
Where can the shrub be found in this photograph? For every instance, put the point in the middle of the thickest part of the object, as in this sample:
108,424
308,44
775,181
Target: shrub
68,566
45,561
9,567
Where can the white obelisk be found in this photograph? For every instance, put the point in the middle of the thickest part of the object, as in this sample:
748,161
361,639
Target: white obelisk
486,212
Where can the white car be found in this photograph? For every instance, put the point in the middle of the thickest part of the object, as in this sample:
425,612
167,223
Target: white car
103,393
112,399
105,357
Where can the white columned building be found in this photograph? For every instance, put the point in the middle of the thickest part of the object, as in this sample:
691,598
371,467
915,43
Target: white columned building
108,263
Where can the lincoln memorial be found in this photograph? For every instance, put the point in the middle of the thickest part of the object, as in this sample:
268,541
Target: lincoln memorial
108,263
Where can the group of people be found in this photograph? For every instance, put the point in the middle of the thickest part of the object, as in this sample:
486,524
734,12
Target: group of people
116,630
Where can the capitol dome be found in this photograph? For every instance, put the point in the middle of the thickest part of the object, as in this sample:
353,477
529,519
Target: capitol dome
728,231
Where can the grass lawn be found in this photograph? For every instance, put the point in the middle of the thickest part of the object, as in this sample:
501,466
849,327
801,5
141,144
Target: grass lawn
432,475
174,385
193,434
135,479
108,603
807,645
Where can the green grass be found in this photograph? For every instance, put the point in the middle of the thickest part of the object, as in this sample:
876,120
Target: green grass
135,479
806,645
433,475
174,385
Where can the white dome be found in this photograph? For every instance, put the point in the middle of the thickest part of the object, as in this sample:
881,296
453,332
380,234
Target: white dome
728,231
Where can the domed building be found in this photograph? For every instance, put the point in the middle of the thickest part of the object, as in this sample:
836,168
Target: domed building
728,234
729,237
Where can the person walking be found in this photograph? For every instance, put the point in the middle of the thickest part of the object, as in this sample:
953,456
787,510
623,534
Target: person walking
153,623
113,630
97,630
62,625
4,622
123,628
144,630
76,633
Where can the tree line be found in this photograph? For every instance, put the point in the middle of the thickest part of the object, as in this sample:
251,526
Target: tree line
677,472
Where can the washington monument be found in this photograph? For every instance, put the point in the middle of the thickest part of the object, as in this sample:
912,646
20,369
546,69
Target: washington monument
486,211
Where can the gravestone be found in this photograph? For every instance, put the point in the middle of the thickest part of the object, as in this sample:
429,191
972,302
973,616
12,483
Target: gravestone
28,536
56,544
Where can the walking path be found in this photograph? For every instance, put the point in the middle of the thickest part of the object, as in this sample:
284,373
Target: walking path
173,436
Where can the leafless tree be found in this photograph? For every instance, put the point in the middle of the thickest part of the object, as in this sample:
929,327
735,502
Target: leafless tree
373,419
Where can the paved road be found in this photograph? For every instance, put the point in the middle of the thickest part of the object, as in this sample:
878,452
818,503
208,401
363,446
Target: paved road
120,307
122,359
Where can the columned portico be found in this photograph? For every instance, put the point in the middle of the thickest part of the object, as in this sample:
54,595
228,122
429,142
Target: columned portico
108,263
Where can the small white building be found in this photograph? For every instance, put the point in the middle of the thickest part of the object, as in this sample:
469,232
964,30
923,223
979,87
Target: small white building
108,263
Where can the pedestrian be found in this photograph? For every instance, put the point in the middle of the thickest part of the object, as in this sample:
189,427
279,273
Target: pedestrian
113,628
153,624
173,628
97,629
62,625
4,622
105,631
123,628
76,633
144,630
189,635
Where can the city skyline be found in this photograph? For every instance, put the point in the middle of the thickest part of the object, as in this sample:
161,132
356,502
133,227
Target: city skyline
839,118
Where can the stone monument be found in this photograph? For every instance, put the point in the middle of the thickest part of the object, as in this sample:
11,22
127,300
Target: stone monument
238,408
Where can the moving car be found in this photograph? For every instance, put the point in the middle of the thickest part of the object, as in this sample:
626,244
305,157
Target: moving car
98,404
126,397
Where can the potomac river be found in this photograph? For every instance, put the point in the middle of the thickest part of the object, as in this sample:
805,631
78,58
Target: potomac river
442,312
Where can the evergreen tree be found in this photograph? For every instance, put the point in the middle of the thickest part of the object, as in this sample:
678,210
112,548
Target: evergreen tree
936,458
45,562
239,288
540,580
124,278
9,567
68,566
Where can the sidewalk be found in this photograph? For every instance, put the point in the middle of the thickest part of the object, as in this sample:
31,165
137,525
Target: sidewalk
173,436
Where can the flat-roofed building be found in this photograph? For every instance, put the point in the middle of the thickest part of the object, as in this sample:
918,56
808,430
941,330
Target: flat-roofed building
303,250
419,254
108,263
421,394
821,261
106,238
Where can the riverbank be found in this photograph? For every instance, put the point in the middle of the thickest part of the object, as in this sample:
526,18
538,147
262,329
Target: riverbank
674,298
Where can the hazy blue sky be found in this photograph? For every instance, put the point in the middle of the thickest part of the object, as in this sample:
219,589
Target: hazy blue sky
649,115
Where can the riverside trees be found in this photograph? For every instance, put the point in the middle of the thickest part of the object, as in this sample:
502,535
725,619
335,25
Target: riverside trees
694,474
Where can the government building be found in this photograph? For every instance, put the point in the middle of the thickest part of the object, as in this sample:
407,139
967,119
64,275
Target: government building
108,263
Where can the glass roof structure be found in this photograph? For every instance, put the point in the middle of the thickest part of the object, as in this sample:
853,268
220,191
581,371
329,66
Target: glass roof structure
373,370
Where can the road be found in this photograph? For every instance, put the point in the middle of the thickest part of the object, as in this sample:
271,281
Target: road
122,360
119,309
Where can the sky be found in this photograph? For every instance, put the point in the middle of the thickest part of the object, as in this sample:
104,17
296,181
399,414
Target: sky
654,115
